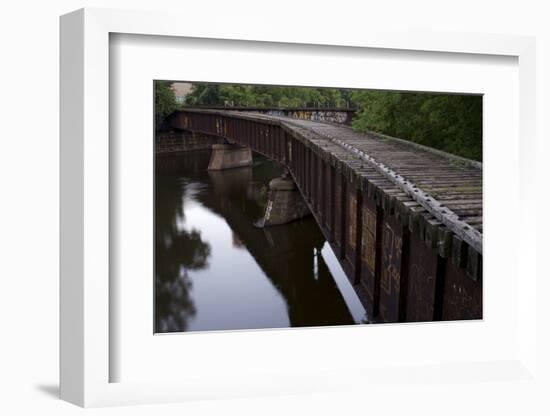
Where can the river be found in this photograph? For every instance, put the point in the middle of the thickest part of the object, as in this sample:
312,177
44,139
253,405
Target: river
215,270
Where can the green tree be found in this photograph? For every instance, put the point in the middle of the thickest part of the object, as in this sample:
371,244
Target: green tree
452,123
165,101
263,96
203,94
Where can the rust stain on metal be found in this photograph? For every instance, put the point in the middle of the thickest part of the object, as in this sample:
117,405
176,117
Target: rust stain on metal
352,208
462,297
369,239
421,281
390,278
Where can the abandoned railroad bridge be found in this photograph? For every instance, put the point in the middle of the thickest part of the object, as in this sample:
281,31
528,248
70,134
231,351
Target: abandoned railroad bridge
405,221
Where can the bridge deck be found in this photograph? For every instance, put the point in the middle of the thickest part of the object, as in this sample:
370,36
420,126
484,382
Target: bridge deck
447,186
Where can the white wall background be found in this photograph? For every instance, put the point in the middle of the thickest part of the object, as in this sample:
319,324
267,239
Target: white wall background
29,189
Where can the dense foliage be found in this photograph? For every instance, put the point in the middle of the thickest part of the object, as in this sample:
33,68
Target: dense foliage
165,100
452,123
266,96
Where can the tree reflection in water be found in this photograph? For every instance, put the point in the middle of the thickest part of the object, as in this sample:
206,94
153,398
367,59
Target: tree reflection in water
256,278
177,251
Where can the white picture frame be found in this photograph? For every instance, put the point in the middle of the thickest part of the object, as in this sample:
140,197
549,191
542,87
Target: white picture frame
85,212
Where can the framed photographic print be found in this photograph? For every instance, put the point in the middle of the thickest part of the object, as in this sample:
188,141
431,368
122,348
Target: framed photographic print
274,213
316,223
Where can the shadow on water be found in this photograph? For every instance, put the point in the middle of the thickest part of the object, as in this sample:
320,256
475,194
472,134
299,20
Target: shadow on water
287,257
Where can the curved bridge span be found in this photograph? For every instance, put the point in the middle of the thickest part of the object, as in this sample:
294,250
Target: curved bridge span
404,220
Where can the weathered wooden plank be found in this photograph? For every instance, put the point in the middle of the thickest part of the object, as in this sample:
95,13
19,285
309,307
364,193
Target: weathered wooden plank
467,213
473,220
446,216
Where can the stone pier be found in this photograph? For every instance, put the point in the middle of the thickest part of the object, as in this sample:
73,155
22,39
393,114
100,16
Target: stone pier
228,156
285,203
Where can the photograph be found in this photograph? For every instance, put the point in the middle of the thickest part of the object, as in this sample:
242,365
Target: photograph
301,206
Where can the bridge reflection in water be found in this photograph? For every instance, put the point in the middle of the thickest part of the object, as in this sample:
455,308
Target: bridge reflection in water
216,271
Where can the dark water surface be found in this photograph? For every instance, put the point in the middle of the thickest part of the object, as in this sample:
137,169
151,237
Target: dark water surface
214,270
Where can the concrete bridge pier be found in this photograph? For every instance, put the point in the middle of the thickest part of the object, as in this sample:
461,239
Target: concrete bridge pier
285,203
228,156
